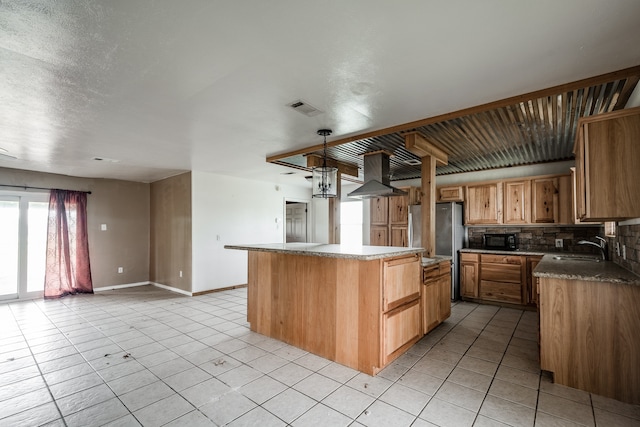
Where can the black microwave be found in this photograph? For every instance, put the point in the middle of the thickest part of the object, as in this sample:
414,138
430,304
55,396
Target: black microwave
503,242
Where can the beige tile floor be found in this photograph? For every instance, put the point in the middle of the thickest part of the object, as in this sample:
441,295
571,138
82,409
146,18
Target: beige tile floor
145,356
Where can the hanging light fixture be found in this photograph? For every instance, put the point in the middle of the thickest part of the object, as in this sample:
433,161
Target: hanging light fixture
324,181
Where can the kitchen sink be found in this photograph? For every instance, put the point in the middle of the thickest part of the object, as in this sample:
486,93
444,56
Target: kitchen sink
577,258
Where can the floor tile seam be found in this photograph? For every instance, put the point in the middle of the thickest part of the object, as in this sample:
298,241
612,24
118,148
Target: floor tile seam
567,419
498,367
53,399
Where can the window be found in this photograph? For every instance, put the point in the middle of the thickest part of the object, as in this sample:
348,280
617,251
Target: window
351,223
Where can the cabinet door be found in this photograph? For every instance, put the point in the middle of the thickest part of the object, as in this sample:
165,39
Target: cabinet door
450,194
469,280
532,282
379,236
484,204
379,211
401,327
430,305
516,202
399,235
402,280
545,200
398,210
612,155
444,297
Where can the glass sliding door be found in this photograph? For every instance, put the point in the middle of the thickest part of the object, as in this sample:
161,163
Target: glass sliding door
9,246
23,237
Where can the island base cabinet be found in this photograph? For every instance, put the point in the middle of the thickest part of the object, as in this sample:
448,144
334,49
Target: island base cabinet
361,314
589,336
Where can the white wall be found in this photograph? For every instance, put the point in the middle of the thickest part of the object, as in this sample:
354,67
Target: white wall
240,211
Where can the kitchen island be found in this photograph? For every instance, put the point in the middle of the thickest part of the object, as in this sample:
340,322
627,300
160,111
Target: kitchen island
359,306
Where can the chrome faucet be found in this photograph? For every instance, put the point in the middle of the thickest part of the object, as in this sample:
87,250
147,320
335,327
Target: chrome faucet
602,245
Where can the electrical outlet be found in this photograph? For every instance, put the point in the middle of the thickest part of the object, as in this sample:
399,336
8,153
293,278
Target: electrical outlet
103,227
180,273
559,243
624,252
120,270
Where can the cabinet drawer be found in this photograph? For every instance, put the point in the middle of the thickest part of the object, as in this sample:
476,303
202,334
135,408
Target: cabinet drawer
401,282
502,259
501,291
469,257
401,326
430,273
501,273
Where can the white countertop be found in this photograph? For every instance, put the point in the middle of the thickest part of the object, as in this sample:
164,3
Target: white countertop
360,252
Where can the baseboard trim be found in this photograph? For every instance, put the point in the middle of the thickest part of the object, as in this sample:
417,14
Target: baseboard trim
172,289
210,291
126,285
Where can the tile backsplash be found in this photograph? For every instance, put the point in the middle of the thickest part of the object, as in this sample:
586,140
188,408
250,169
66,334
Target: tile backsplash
629,236
543,238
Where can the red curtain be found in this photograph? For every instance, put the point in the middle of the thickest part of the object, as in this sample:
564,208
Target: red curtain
68,270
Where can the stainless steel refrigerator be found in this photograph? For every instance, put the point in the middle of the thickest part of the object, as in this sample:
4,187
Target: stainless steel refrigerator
450,236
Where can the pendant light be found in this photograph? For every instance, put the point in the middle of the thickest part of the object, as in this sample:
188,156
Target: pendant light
324,179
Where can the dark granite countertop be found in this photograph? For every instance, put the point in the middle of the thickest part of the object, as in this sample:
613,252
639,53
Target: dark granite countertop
583,267
493,251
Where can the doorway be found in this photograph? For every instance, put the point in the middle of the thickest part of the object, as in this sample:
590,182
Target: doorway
296,222
23,227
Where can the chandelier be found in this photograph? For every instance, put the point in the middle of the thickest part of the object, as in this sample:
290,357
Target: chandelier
324,179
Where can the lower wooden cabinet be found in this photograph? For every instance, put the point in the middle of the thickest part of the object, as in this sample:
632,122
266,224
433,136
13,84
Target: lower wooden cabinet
501,278
436,295
469,275
400,326
532,282
589,336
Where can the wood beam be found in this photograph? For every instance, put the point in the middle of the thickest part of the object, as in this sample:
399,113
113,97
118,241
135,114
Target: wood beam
428,170
567,87
315,160
418,145
334,214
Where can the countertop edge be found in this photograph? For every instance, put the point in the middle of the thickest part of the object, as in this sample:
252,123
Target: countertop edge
395,252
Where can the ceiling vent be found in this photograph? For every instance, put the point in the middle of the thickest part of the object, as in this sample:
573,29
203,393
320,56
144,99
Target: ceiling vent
105,159
412,162
304,108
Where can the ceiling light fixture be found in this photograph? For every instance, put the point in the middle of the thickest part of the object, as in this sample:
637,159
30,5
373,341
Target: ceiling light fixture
324,182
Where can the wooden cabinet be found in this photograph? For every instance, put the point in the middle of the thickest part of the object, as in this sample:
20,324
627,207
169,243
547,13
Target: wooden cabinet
469,274
399,235
390,218
545,200
484,204
436,295
589,336
517,207
532,282
401,282
450,194
379,235
401,320
379,211
501,278
398,210
607,173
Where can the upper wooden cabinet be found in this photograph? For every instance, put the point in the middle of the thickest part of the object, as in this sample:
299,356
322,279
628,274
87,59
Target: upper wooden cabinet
545,202
517,202
398,210
390,218
379,211
451,194
607,153
484,204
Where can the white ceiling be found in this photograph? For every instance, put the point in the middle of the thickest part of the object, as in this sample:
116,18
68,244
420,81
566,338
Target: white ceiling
168,86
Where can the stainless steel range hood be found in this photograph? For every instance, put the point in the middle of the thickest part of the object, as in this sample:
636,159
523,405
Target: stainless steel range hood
376,178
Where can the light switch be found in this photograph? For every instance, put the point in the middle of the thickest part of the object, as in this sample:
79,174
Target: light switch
103,227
